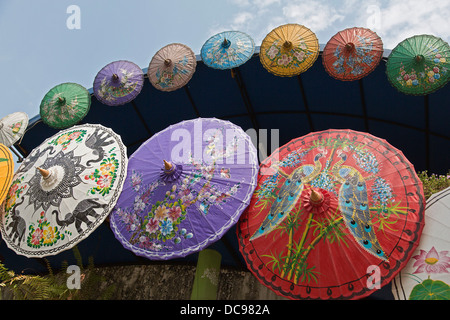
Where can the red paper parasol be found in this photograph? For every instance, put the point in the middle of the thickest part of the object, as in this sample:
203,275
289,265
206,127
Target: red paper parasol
336,215
352,54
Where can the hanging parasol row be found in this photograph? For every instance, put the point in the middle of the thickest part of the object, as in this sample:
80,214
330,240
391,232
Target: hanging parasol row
419,65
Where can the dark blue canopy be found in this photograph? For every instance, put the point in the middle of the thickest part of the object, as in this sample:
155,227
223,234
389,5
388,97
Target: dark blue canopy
251,97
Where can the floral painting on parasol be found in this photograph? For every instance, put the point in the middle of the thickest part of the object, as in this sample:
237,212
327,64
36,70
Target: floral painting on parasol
65,105
118,83
427,274
352,54
227,50
12,128
172,67
419,65
186,187
288,50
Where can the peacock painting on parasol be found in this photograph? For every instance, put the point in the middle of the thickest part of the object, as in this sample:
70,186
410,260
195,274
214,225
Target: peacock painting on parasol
330,209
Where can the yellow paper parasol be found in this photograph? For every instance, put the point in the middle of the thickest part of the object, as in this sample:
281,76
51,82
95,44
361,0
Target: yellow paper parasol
289,50
6,171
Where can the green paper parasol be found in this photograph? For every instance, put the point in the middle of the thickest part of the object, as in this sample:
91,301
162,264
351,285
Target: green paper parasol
65,105
419,65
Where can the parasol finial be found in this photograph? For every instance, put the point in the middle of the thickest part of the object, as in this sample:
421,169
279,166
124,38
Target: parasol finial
45,173
226,43
115,77
167,165
61,100
350,46
287,44
419,58
167,62
316,197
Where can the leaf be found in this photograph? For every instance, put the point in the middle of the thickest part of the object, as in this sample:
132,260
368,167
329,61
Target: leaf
430,290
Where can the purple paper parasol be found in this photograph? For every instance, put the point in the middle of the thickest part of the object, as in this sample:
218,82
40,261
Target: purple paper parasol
185,187
118,83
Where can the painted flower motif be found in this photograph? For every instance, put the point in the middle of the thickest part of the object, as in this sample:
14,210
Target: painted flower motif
152,225
107,168
225,173
174,213
16,127
74,135
139,204
48,235
104,181
166,227
272,52
299,55
432,261
357,70
37,236
136,180
160,213
284,60
64,138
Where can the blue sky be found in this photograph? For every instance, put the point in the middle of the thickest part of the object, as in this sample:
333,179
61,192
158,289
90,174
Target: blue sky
39,51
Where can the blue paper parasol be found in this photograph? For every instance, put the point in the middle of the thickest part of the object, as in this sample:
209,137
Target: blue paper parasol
227,50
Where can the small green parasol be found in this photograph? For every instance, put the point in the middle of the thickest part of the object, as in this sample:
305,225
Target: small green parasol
419,65
65,105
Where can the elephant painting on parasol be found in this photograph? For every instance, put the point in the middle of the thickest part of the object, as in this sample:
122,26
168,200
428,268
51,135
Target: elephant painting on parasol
81,214
63,190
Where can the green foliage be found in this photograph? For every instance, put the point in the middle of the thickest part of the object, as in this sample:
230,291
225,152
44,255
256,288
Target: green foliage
53,286
23,287
433,183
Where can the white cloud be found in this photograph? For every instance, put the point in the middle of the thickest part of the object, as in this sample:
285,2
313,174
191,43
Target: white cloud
242,20
393,20
400,20
313,14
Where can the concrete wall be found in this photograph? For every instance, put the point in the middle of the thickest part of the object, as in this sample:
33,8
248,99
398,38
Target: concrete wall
175,282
